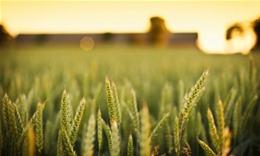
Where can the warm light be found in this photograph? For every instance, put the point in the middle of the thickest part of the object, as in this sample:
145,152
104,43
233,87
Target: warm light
86,43
215,43
209,18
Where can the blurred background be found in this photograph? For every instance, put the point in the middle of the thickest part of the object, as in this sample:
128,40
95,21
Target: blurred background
212,26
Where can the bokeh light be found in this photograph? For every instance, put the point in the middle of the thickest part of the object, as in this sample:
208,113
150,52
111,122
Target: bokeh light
87,43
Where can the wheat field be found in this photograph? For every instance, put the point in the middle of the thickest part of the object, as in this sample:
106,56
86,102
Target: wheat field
134,101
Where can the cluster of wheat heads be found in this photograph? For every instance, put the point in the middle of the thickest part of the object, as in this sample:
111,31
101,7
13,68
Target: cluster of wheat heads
130,129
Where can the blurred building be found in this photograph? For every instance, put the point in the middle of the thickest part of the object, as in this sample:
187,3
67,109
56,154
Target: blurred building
138,39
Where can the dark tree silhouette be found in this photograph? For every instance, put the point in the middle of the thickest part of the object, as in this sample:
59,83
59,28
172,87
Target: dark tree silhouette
256,27
237,27
5,37
158,33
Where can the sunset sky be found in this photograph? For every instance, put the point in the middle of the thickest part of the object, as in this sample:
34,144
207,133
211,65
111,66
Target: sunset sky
209,18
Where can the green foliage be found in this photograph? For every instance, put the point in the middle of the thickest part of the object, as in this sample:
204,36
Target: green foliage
141,109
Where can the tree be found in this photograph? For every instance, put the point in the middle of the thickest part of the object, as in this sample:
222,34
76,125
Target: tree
5,37
256,27
158,33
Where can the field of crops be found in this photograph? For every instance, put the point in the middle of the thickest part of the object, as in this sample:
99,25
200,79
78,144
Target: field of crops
60,100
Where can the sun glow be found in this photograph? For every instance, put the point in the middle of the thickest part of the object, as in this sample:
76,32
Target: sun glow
209,18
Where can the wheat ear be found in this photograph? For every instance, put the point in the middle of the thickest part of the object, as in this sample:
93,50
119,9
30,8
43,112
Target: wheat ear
190,99
213,130
130,146
64,111
206,148
18,120
76,121
116,103
6,112
189,103
60,149
115,139
110,101
107,130
89,138
39,127
136,121
158,127
99,130
67,144
176,133
145,132
220,124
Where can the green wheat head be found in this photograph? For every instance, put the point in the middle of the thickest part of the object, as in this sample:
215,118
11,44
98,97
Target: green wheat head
206,148
176,135
115,150
144,137
67,144
110,101
190,99
64,112
130,146
39,127
77,120
99,130
220,124
134,111
107,130
158,128
89,137
213,130
116,103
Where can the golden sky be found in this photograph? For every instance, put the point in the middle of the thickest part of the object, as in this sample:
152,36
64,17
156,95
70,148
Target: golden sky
209,18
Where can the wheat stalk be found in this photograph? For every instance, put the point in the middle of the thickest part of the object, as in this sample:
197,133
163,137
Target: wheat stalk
115,139
176,133
136,121
206,148
116,103
6,115
158,127
237,115
89,138
190,99
145,132
228,105
60,149
31,141
213,130
168,137
76,121
67,144
99,130
220,124
39,127
199,124
247,113
110,101
107,130
64,111
130,146
47,136
189,103
18,120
